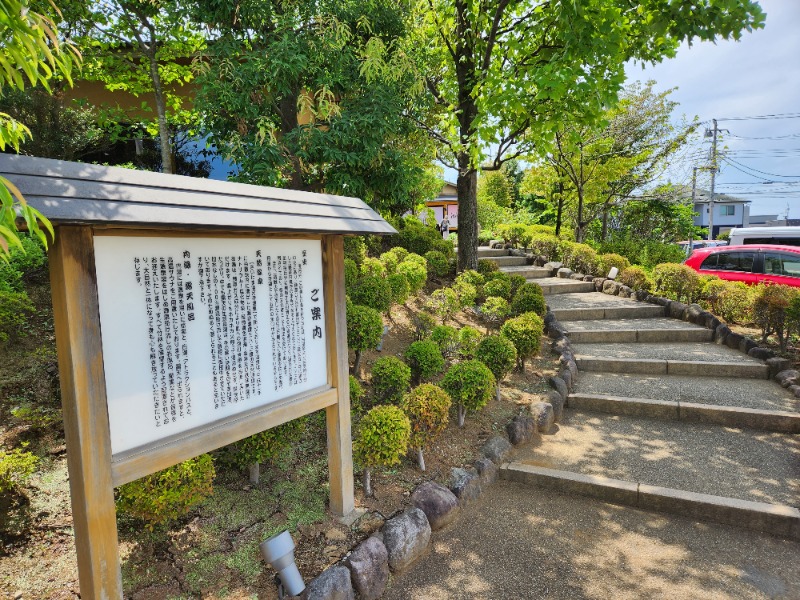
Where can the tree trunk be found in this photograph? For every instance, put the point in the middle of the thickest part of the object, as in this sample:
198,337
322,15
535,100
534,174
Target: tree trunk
164,134
498,391
420,459
357,363
255,473
287,108
560,209
579,230
467,186
604,232
461,414
367,483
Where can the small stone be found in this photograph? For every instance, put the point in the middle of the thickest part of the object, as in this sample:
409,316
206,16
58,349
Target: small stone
777,364
553,266
556,331
335,535
438,503
598,283
588,278
563,273
559,385
560,345
677,310
641,295
712,322
369,568
544,416
760,353
521,430
496,449
577,276
625,292
733,340
610,287
406,537
466,485
370,522
332,584
488,472
787,377
693,313
661,301
549,317
794,389
572,366
720,333
557,402
18,596
566,375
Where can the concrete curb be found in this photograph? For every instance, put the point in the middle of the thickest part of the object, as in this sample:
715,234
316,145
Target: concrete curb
647,366
690,412
775,519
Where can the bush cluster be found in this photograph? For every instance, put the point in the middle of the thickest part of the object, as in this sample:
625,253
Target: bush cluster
635,278
425,360
470,385
468,340
529,298
525,332
265,446
498,353
15,469
438,264
373,291
498,286
677,282
494,310
447,338
443,303
391,378
382,436
427,407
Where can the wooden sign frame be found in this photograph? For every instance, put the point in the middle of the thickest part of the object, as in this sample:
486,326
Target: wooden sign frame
92,473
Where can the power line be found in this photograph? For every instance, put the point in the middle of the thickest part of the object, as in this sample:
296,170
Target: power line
768,137
730,160
763,117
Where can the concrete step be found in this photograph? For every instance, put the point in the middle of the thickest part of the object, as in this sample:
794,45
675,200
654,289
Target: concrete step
656,329
688,358
744,393
690,412
632,311
509,261
528,271
553,285
739,464
486,252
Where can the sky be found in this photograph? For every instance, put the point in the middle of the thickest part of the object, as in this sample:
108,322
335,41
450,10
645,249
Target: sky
758,76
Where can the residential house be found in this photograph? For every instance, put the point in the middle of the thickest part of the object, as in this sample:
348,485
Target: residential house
729,212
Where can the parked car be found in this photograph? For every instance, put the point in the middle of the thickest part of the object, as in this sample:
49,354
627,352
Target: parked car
749,263
760,236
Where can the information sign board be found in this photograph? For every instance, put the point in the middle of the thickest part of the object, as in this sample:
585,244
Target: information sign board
199,329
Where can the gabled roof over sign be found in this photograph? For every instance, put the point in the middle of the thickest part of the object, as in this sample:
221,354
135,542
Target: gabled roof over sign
69,192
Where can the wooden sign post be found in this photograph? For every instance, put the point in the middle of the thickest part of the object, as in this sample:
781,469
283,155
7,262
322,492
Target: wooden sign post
189,314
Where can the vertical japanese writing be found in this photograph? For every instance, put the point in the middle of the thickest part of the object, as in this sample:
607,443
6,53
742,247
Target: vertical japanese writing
162,280
227,288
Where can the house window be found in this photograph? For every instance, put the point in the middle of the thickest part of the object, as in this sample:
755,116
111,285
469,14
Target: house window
727,210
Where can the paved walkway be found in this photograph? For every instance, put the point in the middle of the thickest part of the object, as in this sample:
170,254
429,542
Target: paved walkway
520,542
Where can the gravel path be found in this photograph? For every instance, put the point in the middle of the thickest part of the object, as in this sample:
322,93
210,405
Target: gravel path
737,463
590,300
743,393
693,351
519,543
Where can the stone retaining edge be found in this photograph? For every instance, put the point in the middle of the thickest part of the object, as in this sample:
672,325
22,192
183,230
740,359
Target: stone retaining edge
691,412
775,519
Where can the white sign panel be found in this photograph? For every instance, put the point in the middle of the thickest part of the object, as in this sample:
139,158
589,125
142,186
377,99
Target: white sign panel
195,330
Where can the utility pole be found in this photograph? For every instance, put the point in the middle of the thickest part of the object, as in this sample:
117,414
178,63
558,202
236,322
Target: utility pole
713,177
691,230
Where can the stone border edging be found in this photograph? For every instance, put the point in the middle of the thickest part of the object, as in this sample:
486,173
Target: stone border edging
775,519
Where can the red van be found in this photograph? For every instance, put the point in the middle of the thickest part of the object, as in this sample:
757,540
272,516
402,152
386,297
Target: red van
750,263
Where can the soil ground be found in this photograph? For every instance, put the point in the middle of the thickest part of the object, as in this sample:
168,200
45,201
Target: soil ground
212,552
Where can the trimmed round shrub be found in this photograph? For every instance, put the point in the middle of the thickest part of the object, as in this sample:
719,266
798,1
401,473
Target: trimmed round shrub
350,273
443,303
494,310
355,249
427,407
581,258
468,340
525,332
471,277
265,446
372,291
446,338
423,324
542,230
529,298
356,396
438,264
399,288
727,299
382,437
486,266
516,281
372,267
446,247
415,272
499,287
635,278
167,495
390,261
498,353
391,378
466,292
675,281
513,233
544,245
16,467
364,330
770,305
470,385
425,360
606,261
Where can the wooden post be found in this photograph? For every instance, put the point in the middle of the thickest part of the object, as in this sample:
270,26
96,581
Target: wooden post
340,443
83,397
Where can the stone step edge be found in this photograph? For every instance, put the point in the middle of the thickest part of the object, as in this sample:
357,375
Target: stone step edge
653,366
775,519
691,412
608,312
668,334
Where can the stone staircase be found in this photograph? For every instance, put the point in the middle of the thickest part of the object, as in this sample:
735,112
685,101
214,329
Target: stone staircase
662,418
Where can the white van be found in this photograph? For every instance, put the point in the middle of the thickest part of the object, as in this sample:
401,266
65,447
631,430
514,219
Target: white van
784,236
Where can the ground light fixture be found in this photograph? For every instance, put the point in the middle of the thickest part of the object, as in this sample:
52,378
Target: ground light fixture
278,551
